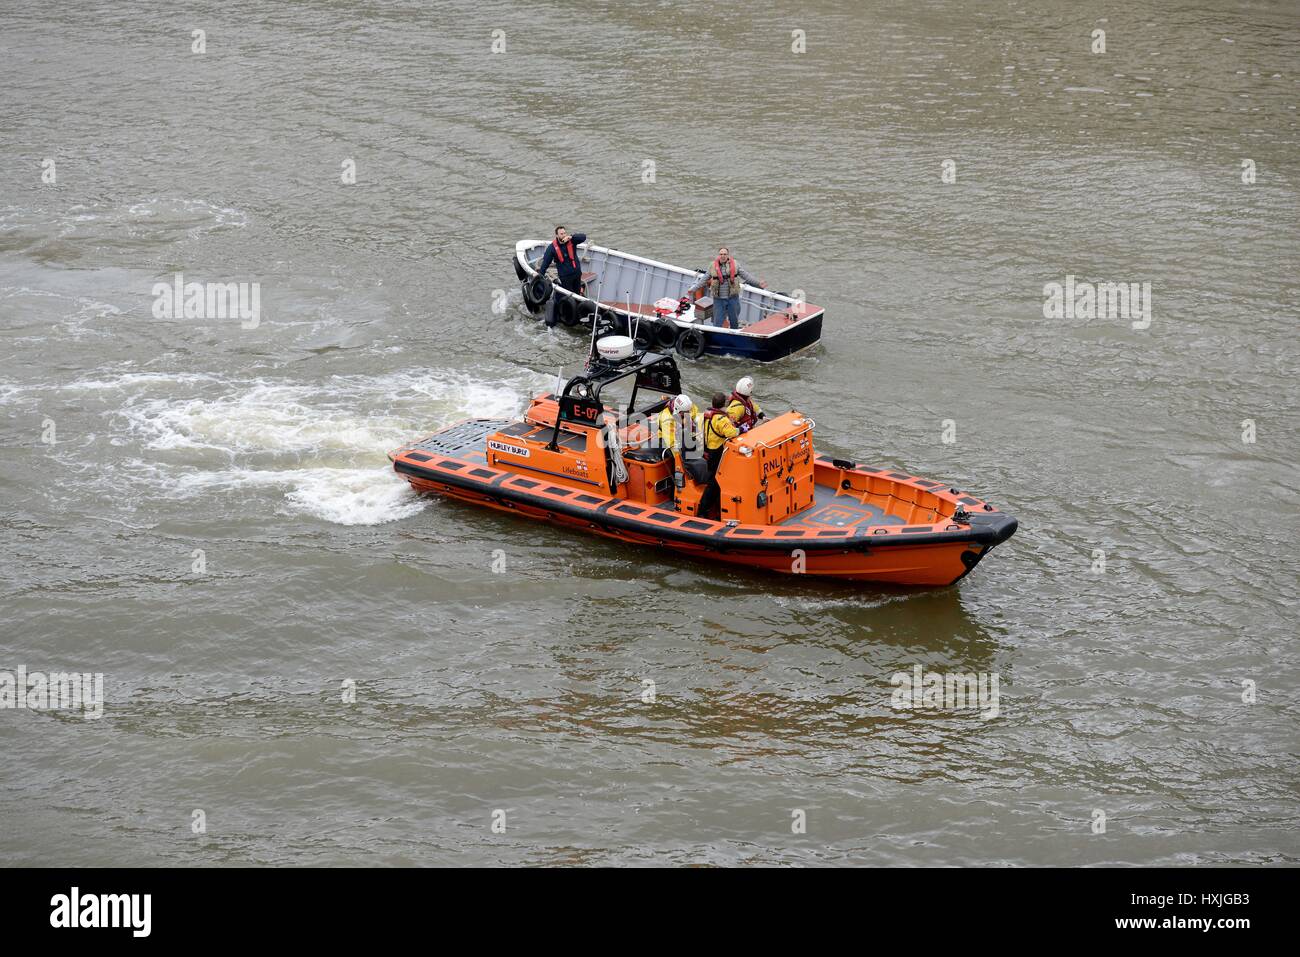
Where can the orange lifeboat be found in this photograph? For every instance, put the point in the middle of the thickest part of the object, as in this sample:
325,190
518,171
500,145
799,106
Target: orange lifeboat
572,460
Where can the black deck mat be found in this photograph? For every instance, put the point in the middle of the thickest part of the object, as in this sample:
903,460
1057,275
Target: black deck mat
519,428
460,439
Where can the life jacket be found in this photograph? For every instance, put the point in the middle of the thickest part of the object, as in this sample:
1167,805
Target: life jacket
751,414
717,275
559,254
712,430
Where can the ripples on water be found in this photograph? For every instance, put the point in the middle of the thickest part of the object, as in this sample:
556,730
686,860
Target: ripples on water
265,448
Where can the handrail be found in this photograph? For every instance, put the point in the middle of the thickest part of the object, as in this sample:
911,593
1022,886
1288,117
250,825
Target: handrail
589,248
811,425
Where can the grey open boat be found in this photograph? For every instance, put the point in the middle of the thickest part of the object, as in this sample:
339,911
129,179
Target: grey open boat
643,298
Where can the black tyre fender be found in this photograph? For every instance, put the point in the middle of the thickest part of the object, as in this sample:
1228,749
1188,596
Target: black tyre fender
566,311
645,335
691,344
584,309
665,331
625,324
606,322
531,306
520,271
537,289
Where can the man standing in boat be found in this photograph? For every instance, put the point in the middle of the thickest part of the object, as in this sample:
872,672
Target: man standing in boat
719,425
723,279
563,252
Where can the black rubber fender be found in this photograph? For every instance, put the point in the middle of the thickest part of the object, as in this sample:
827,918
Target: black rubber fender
691,343
583,309
665,331
644,335
566,311
520,271
606,322
537,289
531,306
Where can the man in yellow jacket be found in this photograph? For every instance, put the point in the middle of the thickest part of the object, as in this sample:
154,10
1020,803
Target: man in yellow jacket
719,426
681,435
744,408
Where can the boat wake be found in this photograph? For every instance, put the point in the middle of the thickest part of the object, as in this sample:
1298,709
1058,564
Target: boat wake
316,449
147,221
360,495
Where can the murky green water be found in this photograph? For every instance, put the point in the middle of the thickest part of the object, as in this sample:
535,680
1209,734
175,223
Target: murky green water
1121,689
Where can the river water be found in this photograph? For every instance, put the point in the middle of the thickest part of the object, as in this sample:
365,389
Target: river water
203,513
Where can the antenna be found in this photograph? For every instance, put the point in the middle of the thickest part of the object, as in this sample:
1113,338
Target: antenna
637,328
595,321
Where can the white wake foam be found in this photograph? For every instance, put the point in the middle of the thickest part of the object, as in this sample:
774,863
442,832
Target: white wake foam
321,445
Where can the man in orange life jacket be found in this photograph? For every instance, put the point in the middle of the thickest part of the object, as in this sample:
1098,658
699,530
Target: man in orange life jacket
563,252
719,425
723,279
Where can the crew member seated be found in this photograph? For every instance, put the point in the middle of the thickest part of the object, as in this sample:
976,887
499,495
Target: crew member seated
744,408
681,430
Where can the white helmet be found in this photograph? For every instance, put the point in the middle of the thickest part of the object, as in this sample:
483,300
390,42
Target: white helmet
682,403
745,387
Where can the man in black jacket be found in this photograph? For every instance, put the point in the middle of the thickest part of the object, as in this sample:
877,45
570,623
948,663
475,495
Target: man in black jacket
564,253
